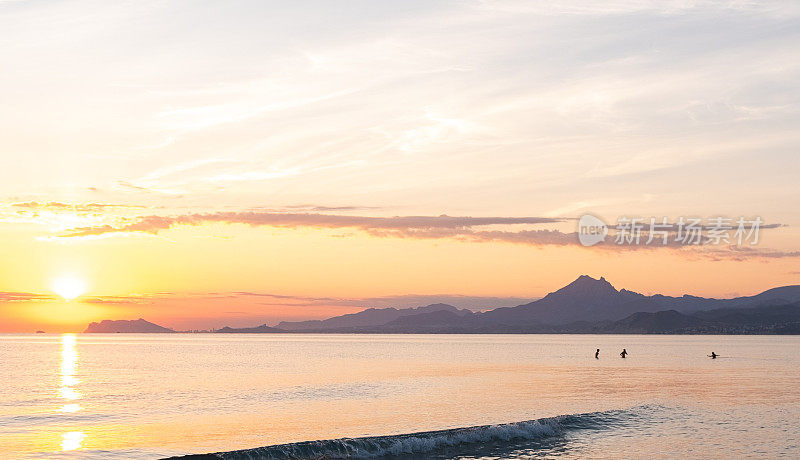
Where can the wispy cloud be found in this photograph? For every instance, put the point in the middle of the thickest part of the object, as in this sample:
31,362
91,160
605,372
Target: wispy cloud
74,207
125,185
558,238
402,224
254,175
458,228
180,168
25,297
396,301
321,208
497,99
287,300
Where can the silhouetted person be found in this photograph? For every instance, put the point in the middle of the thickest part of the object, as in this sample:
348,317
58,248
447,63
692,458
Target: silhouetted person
624,353
597,354
713,355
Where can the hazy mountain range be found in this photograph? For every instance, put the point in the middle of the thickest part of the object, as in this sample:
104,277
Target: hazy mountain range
370,317
122,325
587,305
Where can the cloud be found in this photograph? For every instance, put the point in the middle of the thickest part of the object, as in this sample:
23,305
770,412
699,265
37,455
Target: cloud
25,297
396,301
742,253
117,300
128,185
591,8
420,226
458,228
59,206
287,297
253,175
138,188
318,208
558,238
289,300
467,234
180,168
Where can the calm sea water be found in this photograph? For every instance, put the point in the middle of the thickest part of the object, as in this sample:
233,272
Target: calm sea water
150,396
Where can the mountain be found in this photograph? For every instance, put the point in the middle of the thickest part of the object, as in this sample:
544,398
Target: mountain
690,303
585,299
591,300
660,322
250,330
366,318
433,322
768,314
128,326
586,305
783,294
764,319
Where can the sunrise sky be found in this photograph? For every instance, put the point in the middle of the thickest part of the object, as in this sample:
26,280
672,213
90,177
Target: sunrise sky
201,164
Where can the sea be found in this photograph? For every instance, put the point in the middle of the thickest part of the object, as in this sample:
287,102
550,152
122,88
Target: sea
146,396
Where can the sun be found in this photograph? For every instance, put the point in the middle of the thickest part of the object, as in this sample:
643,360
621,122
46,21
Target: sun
69,287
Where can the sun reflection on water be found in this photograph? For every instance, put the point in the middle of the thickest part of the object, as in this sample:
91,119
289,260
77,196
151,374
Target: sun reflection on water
69,369
68,393
72,440
70,408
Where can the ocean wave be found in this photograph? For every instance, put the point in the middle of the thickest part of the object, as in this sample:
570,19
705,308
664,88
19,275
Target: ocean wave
428,441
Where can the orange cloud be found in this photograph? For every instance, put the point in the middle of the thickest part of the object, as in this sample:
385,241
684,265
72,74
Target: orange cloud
404,224
460,228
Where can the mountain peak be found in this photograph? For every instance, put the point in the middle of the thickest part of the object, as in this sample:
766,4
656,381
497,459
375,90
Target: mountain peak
585,284
586,287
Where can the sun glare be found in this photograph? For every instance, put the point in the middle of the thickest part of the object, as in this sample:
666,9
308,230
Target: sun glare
69,287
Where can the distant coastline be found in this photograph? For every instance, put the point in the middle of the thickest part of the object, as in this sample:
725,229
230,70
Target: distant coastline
585,306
